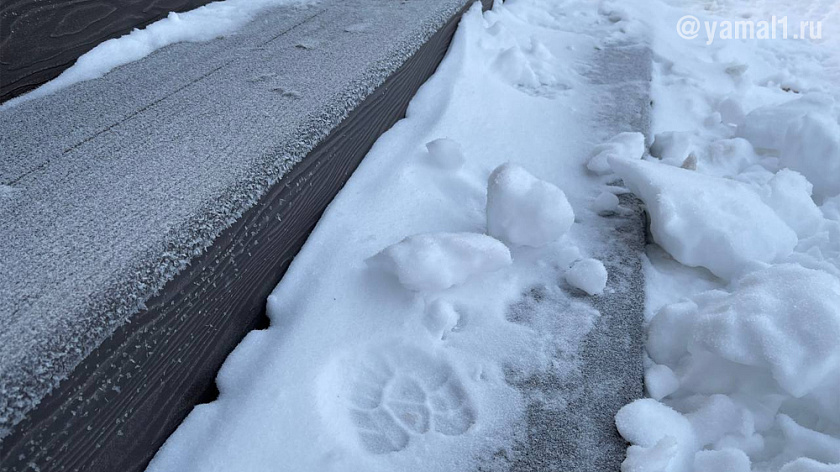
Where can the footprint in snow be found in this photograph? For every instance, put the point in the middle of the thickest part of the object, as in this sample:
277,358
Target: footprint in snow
400,392
357,28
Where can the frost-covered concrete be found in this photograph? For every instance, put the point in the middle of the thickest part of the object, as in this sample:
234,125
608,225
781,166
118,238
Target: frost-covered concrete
111,186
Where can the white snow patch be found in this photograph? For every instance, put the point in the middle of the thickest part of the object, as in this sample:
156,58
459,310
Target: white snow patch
658,434
729,460
809,465
765,345
788,193
766,127
784,319
440,318
674,146
656,458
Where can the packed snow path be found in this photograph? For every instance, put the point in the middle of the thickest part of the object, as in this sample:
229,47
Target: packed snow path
472,299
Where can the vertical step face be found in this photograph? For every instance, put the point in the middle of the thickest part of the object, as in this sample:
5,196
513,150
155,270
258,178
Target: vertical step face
39,39
121,402
581,435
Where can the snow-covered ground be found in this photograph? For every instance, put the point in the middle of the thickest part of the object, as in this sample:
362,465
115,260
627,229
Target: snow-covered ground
457,262
743,296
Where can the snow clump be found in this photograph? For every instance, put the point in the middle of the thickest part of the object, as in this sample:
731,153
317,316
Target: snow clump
788,193
523,210
623,145
706,221
436,261
754,366
588,275
605,203
662,439
783,320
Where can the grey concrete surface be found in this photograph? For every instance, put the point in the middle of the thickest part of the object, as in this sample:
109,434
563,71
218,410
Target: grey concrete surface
111,186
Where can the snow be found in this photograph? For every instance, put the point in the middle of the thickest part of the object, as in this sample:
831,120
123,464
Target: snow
525,211
706,221
660,437
445,153
789,194
660,381
588,275
211,21
812,147
605,203
809,465
766,126
783,320
673,146
408,331
441,318
730,460
627,145
742,281
650,459
437,261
